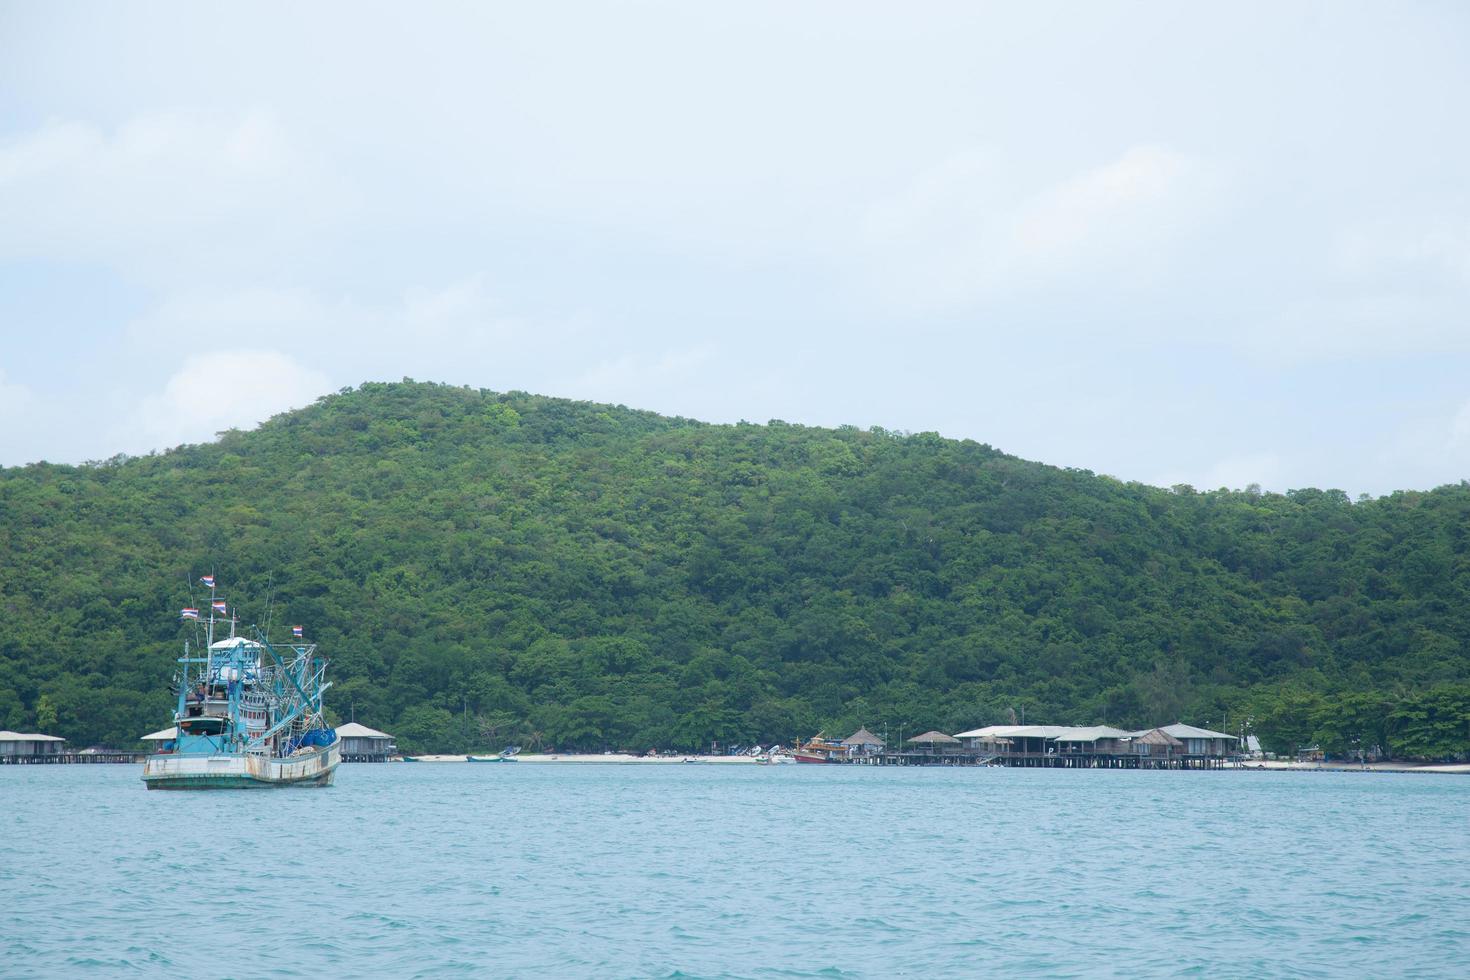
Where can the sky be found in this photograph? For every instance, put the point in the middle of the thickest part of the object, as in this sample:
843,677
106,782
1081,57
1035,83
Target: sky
1167,242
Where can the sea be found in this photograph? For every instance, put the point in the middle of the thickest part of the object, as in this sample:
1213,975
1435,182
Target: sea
526,870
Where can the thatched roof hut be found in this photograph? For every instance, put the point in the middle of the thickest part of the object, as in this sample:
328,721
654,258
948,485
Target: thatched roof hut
934,738
1159,742
862,738
937,743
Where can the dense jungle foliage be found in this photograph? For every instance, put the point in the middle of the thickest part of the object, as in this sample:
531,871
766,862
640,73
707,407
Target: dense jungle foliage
486,569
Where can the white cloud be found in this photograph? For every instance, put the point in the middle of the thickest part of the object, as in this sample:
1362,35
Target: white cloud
1130,206
1427,448
970,226
422,325
1423,248
629,188
160,192
634,378
462,314
1459,437
1371,289
221,390
1362,324
24,424
15,403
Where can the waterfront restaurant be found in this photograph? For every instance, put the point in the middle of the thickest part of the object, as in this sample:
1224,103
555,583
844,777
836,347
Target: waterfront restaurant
16,747
363,744
1022,740
1093,740
1095,745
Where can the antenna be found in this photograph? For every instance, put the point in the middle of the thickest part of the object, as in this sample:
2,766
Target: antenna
269,600
210,645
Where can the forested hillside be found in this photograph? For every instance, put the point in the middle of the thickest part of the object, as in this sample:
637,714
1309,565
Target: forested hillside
488,568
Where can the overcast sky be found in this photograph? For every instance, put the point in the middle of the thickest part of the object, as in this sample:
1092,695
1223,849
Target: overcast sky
1152,240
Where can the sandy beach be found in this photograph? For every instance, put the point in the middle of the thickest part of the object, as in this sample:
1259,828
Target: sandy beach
1281,766
624,759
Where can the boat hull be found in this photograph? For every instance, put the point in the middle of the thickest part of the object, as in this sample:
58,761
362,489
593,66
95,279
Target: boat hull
241,771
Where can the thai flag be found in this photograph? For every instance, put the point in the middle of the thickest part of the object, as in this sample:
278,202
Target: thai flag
207,580
189,614
296,632
219,606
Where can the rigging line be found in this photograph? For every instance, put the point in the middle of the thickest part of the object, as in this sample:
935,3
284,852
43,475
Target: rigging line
189,588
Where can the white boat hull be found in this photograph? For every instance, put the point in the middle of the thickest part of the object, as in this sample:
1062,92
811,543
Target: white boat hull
314,768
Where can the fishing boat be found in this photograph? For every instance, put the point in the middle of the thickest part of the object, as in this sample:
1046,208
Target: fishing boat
819,750
249,713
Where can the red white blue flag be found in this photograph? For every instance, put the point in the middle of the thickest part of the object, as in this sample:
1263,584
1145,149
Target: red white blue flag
189,614
207,580
296,632
219,606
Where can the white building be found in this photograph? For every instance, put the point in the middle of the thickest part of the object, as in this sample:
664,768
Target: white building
21,747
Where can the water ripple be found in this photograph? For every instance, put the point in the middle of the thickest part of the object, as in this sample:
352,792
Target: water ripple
717,872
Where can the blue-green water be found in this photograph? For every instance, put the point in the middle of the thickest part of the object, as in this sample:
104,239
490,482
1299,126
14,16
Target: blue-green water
526,870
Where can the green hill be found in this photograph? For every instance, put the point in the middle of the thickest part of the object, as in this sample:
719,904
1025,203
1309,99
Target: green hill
485,568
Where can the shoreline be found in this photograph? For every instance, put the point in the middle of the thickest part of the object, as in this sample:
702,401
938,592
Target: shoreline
623,759
1451,769
587,758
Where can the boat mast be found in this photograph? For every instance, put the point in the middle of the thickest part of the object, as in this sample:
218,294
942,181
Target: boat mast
183,683
209,632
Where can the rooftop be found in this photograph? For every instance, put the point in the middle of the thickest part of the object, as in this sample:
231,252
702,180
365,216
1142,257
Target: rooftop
1189,731
1090,734
933,738
1018,731
229,643
353,730
862,737
22,737
1155,736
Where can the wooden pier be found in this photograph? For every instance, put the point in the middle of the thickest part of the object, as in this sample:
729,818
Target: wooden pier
73,759
1176,746
1043,760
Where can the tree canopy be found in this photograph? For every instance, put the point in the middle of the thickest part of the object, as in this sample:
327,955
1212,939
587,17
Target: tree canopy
483,568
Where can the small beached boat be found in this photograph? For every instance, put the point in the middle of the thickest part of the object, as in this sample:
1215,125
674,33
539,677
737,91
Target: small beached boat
249,714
